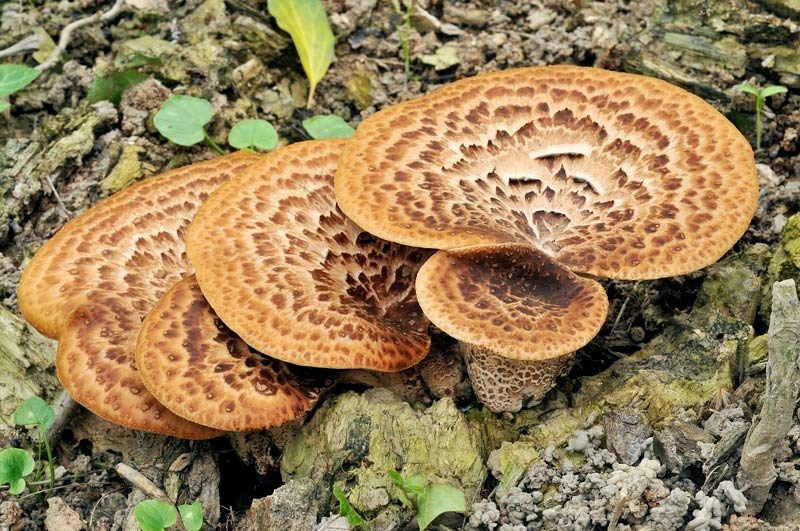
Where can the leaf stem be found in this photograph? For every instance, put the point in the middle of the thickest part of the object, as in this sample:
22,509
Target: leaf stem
50,464
213,144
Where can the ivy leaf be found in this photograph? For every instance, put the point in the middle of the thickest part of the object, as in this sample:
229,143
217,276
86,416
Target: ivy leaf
35,411
154,515
249,134
111,86
437,499
191,516
307,23
15,77
15,464
327,126
182,118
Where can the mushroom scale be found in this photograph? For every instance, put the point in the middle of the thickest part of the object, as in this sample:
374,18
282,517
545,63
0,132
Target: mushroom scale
200,370
93,283
297,280
512,300
614,175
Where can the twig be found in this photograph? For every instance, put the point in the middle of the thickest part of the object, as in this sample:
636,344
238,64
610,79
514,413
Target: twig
140,481
55,194
66,33
28,44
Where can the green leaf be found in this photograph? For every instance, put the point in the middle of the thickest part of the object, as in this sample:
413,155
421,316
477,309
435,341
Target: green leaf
307,23
4,105
15,464
15,77
34,411
327,126
438,499
111,86
136,60
748,88
346,510
191,516
249,134
182,118
154,515
416,484
771,90
395,476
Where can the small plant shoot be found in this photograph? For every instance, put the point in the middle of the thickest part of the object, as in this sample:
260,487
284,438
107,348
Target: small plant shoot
253,134
191,516
182,120
345,509
36,412
15,464
760,95
307,23
14,78
155,515
327,126
430,499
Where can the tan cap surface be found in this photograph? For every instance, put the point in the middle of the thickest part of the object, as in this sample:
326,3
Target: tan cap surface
293,277
511,299
93,283
614,175
199,369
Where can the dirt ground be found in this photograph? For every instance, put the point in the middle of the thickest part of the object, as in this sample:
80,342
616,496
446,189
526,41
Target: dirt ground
59,154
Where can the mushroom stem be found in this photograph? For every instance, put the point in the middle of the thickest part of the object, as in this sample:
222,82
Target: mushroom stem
503,384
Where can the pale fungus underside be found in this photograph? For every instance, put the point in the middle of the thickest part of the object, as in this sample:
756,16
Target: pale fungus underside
94,282
201,371
295,279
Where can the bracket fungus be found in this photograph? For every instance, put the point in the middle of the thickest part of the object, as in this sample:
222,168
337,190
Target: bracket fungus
195,366
94,282
295,279
608,174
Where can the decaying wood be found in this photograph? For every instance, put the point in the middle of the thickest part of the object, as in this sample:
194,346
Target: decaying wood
758,473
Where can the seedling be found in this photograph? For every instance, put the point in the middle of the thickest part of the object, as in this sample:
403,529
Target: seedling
182,120
156,515
404,33
12,79
36,412
430,499
345,509
253,134
110,85
327,126
307,23
15,464
760,95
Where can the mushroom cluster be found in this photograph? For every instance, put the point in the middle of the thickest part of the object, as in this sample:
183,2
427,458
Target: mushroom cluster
217,297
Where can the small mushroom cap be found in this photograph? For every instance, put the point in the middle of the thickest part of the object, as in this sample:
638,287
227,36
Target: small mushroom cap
294,278
201,371
511,299
94,282
613,175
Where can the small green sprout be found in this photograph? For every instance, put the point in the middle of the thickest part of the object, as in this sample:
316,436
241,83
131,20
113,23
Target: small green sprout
253,134
15,464
760,95
156,515
12,79
182,120
327,126
307,23
345,509
36,412
125,74
430,499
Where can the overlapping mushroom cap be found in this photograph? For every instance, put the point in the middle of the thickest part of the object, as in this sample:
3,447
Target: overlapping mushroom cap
194,365
294,278
612,174
94,282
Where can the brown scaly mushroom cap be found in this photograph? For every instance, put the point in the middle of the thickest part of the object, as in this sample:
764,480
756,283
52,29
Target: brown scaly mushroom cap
612,174
94,282
199,369
294,278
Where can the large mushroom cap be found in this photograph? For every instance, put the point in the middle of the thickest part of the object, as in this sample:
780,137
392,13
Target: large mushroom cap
94,282
293,277
201,371
612,174
512,300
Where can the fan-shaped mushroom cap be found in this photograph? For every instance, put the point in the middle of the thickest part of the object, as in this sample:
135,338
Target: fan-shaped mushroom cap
612,174
511,299
200,370
294,278
94,282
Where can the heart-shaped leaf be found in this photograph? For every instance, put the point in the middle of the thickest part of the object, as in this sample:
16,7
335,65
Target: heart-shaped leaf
191,516
327,126
437,499
155,515
182,118
35,411
249,134
15,464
